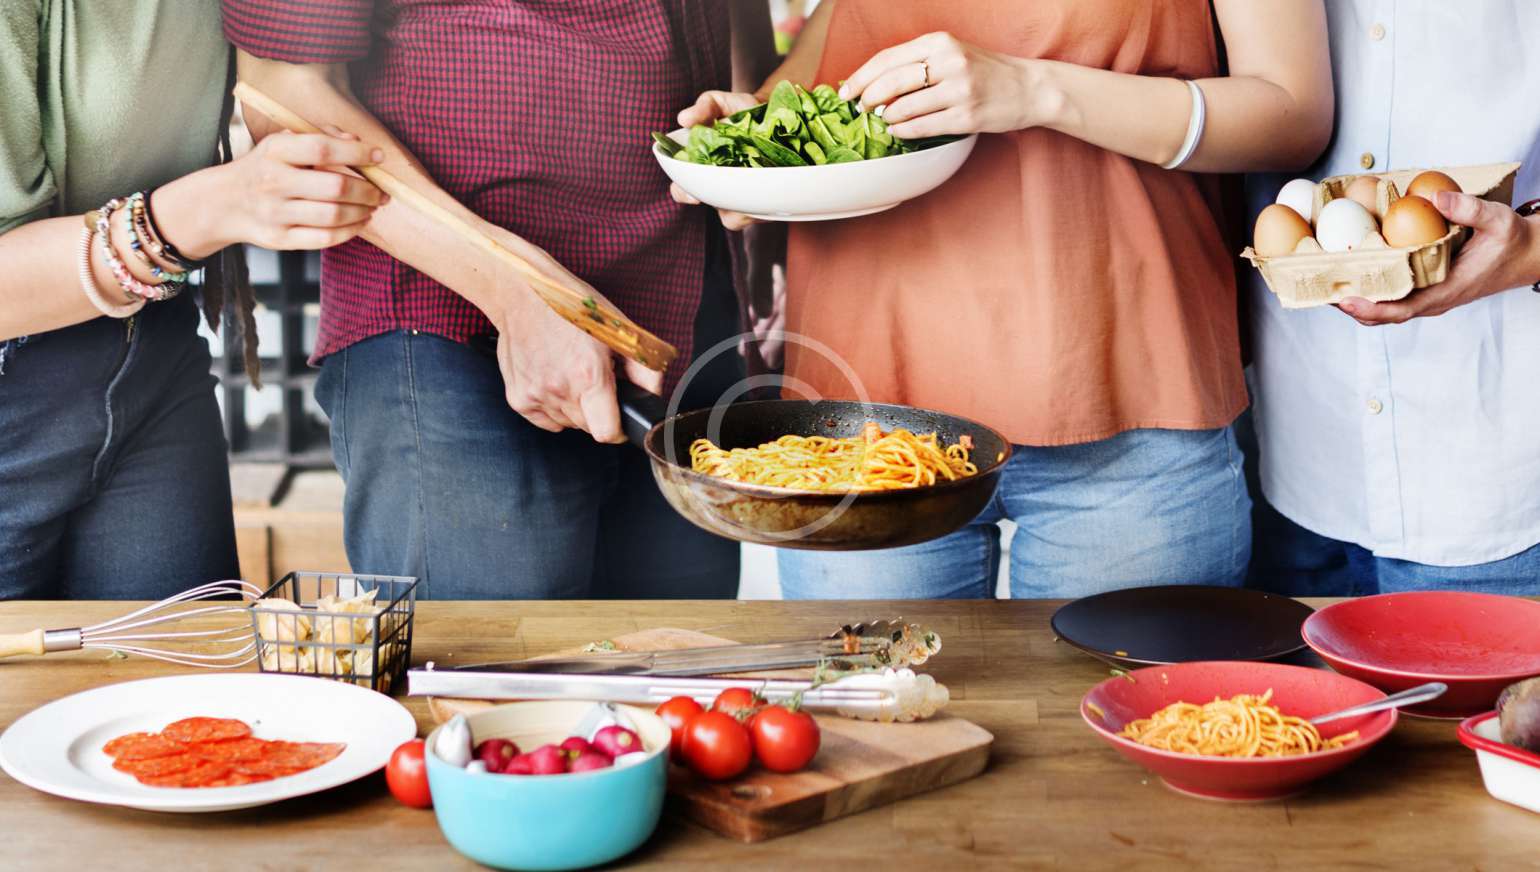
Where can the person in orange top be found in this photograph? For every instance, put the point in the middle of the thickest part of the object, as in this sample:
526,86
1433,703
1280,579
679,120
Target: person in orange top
1069,286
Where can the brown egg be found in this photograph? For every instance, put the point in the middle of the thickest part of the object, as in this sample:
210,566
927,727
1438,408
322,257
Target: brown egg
1278,230
1366,190
1412,221
1430,182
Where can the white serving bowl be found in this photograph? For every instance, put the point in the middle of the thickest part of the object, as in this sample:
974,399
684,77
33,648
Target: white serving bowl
1510,774
817,193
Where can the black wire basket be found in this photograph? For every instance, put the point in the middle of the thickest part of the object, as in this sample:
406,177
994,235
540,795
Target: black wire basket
330,627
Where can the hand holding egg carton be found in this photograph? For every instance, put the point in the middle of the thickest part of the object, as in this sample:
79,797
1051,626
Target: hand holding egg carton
353,628
1376,237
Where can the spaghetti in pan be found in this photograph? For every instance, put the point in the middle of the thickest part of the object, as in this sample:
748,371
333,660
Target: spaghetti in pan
873,461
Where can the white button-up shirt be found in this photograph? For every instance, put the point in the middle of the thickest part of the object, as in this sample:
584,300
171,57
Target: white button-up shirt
1419,441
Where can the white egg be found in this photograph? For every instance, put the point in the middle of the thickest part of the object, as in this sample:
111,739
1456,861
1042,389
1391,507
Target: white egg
1298,195
1343,225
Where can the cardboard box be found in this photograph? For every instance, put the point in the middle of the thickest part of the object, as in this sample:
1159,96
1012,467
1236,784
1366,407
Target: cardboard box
1311,276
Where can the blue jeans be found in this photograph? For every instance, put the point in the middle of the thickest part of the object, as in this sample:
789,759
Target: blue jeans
446,483
114,482
1292,560
1144,507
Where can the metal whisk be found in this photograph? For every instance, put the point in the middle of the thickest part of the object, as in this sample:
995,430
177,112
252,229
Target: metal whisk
232,646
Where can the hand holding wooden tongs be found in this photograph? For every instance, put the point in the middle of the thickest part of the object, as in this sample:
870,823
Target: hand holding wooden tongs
593,316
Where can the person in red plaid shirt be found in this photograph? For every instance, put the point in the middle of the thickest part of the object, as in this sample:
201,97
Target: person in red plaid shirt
458,400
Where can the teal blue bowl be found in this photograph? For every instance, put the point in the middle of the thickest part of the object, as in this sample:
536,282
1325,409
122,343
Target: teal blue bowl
549,821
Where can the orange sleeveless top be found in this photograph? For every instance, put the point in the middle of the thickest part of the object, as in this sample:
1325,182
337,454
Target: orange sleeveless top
1051,289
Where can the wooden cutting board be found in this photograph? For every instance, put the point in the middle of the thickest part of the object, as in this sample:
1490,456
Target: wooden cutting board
860,765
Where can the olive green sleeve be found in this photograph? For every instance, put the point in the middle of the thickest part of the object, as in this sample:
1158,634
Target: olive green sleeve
27,188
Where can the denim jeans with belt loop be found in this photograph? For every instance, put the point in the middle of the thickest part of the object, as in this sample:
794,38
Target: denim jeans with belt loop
114,478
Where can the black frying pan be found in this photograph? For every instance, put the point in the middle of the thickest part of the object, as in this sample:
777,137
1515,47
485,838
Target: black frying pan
791,518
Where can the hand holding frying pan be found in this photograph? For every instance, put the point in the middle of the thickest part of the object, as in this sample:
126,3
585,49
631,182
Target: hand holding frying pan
817,520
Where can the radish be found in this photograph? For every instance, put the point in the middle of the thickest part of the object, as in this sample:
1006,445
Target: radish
616,740
547,760
576,746
496,753
519,765
589,760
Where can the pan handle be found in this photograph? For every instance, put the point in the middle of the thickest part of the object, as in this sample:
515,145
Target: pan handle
640,411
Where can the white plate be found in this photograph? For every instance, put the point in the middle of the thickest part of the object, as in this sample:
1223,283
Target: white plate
817,193
57,748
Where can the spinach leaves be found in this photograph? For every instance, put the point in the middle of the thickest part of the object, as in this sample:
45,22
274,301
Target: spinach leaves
795,128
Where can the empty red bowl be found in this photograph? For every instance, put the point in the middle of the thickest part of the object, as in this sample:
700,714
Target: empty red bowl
1477,643
1296,691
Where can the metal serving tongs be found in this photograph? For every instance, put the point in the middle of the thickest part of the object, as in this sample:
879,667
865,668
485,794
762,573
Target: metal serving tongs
887,695
853,646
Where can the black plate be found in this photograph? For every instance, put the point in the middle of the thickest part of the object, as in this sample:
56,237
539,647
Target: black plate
1148,626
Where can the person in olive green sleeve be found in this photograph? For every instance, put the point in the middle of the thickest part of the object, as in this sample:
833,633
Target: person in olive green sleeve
113,474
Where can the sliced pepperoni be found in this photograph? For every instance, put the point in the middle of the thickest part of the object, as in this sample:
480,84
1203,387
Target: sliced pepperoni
234,779
157,766
142,746
112,748
206,730
322,752
267,768
290,758
232,750
304,755
198,776
213,752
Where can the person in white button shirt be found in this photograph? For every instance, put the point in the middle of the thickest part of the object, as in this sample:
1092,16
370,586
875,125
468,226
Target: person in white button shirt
1400,442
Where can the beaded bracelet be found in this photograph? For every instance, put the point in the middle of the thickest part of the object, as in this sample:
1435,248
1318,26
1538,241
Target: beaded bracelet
166,249
153,293
129,222
88,283
142,237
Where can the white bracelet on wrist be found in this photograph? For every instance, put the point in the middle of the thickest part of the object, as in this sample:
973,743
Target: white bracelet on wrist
1195,123
88,282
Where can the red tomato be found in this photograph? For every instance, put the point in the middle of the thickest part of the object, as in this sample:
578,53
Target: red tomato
716,745
407,775
676,713
736,701
784,740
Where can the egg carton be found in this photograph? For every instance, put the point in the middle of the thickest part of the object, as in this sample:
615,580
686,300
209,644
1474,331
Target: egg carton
1311,276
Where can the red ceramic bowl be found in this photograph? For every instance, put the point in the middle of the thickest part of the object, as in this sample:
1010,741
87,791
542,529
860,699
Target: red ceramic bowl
1476,643
1296,691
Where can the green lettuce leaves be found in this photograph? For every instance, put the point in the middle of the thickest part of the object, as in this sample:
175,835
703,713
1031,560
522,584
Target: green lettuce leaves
794,128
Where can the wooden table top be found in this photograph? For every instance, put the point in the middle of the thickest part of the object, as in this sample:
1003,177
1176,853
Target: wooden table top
1053,796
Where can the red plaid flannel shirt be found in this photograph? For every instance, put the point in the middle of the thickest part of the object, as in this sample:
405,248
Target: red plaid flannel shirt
533,114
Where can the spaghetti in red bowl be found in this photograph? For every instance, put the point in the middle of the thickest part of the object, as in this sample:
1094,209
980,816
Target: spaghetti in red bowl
1297,692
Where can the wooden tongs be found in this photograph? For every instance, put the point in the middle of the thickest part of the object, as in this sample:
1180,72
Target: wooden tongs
595,317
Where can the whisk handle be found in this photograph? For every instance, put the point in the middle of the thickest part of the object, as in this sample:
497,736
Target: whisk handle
12,644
